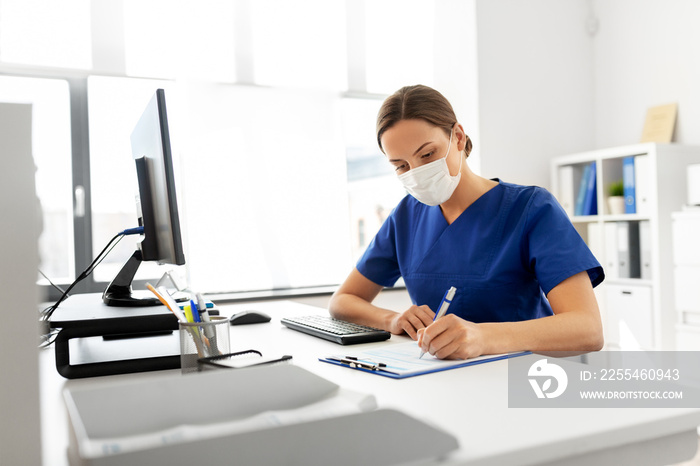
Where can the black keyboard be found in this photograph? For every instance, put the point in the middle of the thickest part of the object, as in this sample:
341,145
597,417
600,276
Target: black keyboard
338,331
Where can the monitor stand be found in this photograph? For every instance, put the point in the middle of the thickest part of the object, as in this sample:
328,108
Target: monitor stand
100,347
120,294
83,316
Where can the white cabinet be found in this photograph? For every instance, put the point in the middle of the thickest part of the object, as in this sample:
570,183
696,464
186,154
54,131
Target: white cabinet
687,287
688,338
635,249
686,261
629,316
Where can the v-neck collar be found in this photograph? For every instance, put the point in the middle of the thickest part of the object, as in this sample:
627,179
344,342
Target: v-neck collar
479,200
433,227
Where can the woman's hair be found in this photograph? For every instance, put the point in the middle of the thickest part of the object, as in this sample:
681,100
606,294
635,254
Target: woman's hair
421,103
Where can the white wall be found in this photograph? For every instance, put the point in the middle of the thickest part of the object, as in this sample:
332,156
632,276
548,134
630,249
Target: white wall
547,87
646,53
536,93
455,59
19,334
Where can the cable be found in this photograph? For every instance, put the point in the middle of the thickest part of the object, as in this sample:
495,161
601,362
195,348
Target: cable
47,312
50,282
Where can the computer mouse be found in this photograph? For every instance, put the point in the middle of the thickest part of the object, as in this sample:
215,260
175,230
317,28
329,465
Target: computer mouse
249,317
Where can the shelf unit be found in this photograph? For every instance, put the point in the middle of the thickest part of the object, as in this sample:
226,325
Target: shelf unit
638,309
686,259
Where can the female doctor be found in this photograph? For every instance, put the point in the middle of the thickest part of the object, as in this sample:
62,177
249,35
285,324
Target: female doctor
524,277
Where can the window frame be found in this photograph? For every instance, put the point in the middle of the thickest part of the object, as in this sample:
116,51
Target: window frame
80,168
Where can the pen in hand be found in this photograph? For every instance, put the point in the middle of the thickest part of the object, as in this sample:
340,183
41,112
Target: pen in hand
442,310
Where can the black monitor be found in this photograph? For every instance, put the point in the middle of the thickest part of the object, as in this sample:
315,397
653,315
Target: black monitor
162,240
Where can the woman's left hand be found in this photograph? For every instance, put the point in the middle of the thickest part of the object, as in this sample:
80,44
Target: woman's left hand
452,338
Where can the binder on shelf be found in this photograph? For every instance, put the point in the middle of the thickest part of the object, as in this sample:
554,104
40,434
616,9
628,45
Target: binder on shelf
635,251
566,189
590,203
596,242
628,249
628,181
612,263
581,197
642,183
645,250
623,250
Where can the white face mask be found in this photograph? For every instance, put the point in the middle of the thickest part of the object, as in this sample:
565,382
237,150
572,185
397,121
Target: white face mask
432,183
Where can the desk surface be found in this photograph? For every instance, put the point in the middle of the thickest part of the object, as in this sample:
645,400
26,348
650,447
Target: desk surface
471,403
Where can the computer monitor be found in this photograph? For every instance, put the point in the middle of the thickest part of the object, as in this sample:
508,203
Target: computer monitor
162,240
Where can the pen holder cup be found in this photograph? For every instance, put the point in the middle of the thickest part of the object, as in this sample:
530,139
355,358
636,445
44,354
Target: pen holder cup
203,340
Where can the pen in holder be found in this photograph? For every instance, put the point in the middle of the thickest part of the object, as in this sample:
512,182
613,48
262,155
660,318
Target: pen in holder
203,340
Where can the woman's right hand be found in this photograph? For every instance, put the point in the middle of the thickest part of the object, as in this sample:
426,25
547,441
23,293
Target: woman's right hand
409,321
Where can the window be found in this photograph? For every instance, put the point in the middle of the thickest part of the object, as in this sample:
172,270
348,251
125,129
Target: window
399,44
265,201
166,39
373,188
271,106
46,33
307,52
51,147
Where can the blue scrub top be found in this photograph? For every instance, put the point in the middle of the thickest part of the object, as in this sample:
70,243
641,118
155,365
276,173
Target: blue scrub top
504,254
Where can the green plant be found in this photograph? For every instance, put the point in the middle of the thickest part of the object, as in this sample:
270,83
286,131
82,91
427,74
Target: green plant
616,188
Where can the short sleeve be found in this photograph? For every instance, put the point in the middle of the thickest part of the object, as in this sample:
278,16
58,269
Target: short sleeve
555,251
379,263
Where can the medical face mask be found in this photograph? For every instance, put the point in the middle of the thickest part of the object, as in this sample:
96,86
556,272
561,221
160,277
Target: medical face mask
432,183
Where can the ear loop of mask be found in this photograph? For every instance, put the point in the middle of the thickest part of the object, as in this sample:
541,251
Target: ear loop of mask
459,170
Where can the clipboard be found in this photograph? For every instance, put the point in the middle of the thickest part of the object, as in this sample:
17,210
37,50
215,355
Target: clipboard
401,361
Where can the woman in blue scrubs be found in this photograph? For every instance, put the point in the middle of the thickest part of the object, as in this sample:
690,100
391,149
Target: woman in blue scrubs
524,277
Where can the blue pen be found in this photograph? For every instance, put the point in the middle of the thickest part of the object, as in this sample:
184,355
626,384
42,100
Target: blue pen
442,310
195,312
202,332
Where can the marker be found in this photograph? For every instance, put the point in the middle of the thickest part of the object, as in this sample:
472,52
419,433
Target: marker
188,314
208,330
202,306
444,304
204,314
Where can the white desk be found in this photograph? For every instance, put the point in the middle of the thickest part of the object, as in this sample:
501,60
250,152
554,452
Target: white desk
471,403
